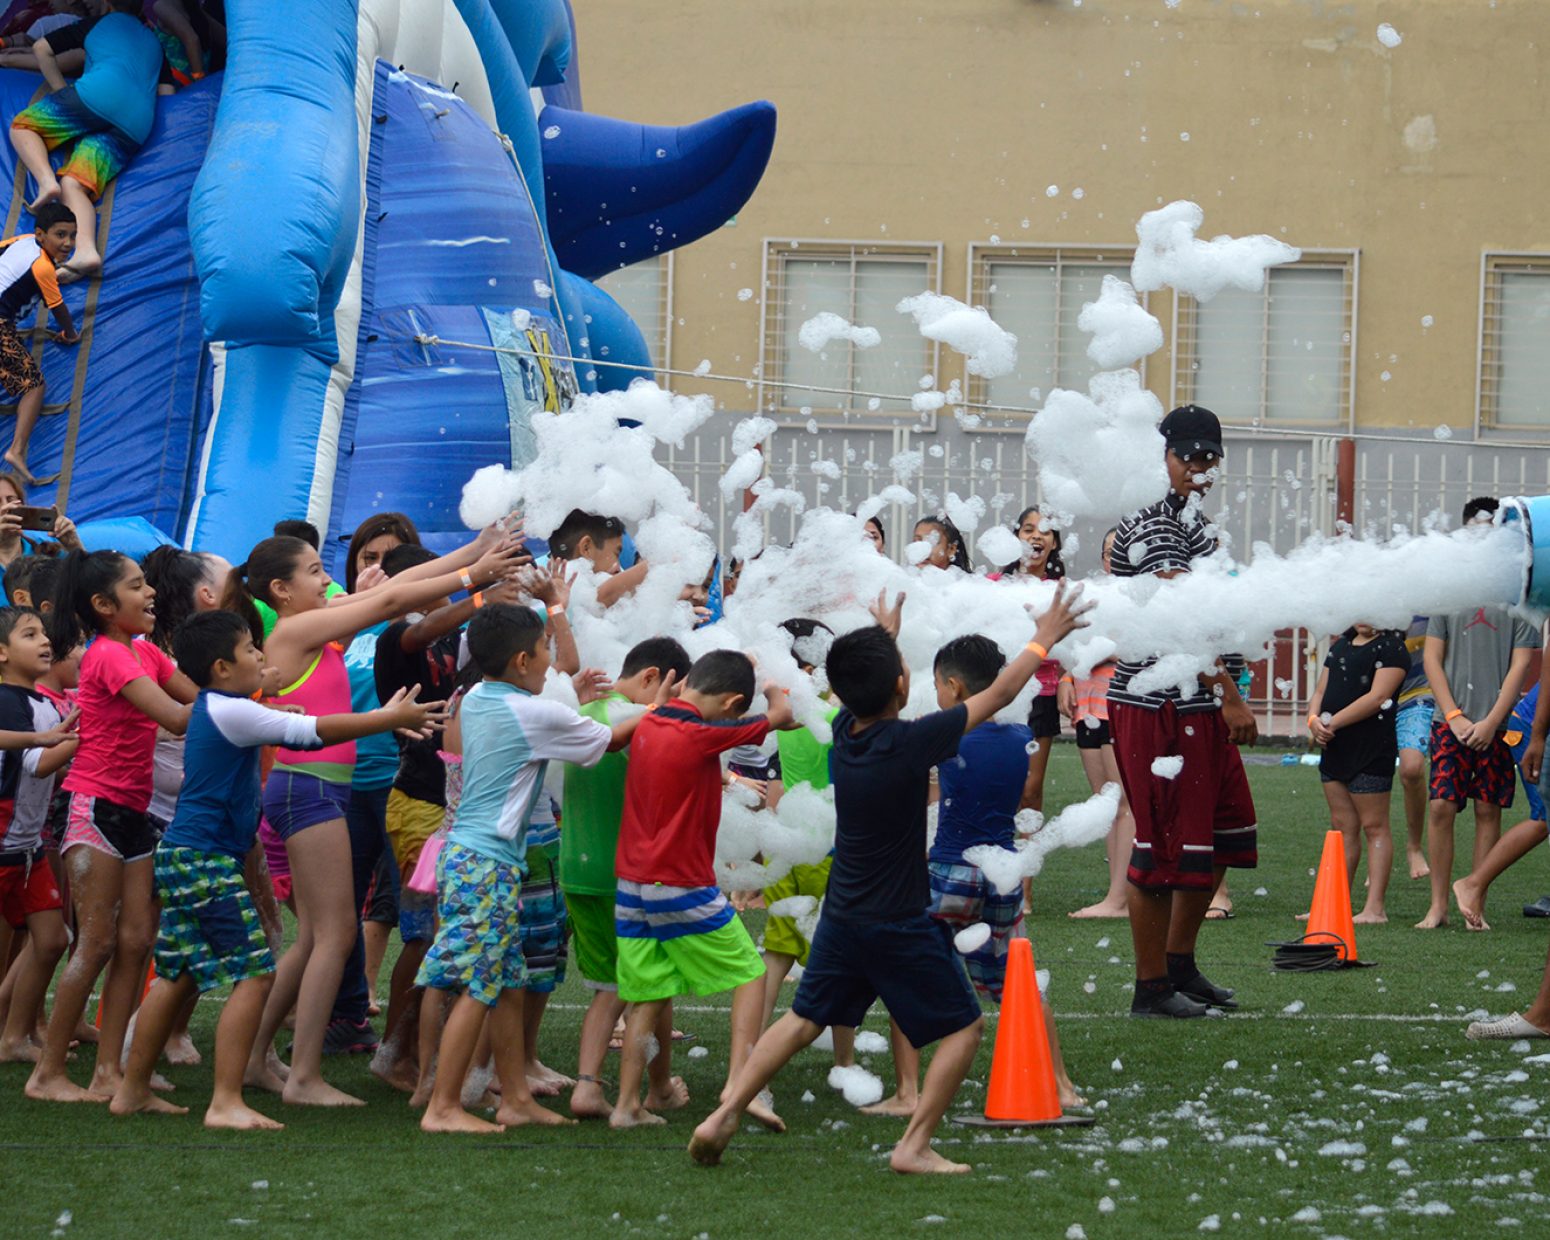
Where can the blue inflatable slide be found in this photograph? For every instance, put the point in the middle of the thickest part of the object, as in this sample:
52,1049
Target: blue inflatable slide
363,176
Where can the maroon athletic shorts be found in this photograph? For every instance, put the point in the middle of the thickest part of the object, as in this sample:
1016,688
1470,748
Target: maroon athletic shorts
1201,818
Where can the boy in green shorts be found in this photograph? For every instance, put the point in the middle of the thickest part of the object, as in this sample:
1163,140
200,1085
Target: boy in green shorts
591,811
804,759
677,932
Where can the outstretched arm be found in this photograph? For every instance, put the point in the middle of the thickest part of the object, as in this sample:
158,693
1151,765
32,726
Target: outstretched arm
1064,616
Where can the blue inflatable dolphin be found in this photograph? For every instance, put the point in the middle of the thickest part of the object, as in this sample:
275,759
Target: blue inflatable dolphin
365,175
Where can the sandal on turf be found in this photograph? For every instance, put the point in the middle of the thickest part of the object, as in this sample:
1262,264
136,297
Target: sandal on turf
1508,1029
1217,913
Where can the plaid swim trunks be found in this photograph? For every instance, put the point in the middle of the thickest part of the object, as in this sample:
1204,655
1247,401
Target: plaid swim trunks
542,919
209,926
101,148
961,896
478,945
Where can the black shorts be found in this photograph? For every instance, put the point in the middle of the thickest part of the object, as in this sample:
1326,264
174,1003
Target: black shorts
1093,734
95,822
1365,783
1044,718
911,965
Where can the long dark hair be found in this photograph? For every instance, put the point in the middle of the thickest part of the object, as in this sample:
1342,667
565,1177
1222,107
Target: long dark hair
1054,565
272,560
84,575
394,523
949,532
175,575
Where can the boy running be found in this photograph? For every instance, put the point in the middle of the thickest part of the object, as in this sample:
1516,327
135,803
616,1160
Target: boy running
678,934
876,938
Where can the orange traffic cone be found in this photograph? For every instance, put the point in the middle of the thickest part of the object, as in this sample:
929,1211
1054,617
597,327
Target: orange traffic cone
1022,1093
1329,917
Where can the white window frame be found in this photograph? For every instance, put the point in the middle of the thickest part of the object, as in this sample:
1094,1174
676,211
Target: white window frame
662,347
772,329
1492,264
1036,254
1183,337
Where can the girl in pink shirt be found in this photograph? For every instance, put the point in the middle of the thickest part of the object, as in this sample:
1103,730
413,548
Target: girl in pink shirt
306,795
127,688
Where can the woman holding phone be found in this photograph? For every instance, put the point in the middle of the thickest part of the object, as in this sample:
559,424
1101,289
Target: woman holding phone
21,525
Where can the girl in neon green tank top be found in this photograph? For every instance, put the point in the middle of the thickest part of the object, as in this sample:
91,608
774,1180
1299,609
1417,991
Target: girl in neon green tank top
306,795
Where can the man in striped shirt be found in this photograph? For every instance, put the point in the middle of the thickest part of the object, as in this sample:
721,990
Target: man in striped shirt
1191,821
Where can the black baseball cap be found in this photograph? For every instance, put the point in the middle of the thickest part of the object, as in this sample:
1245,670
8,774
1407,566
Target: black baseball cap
1192,429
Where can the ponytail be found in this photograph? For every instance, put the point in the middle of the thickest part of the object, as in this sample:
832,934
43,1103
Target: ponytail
272,560
175,575
84,575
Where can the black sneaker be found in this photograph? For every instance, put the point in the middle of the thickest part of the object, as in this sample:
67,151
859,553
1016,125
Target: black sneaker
1203,990
348,1037
1170,1003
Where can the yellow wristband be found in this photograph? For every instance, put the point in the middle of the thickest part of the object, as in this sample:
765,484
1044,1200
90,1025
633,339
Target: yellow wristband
466,578
1036,648
1452,715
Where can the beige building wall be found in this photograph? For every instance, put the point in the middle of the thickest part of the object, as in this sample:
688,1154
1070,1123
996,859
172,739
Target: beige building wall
946,121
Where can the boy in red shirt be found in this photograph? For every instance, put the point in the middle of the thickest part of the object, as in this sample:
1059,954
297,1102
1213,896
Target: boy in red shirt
677,932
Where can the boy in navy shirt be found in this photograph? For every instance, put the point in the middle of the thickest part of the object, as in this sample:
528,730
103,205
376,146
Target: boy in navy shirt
210,933
876,938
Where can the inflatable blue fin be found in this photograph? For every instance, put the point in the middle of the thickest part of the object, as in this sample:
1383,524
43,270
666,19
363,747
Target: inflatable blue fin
612,336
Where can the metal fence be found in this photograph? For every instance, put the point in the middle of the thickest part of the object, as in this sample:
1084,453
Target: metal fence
1276,491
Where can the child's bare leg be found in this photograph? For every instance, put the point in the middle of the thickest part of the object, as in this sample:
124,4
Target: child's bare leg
87,260
747,1003
1101,768
46,942
234,1037
96,883
664,1091
776,966
508,1025
320,872
639,1029
434,1005
153,1023
396,1062
401,985
844,1038
541,1079
1372,810
774,1050
1488,830
181,1050
949,1065
1412,780
444,1112
136,934
587,1100
1439,826
1470,891
28,408
906,1077
1068,1096
376,935
33,152
261,1070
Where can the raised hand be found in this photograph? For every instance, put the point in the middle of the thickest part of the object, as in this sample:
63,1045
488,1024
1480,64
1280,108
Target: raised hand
1064,615
591,683
888,618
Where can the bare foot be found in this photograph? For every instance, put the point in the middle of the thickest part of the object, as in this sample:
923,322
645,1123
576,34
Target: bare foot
83,1032
78,268
142,1103
47,192
161,1084
1102,909
456,1121
1367,918
1418,866
263,1076
373,1008
762,1109
541,1087
1069,1098
19,1052
240,1117
58,1089
675,1099
1299,917
515,1114
587,1101
105,1082
421,1098
18,464
399,1073
181,1052
1471,904
543,1072
712,1137
633,1117
317,1094
895,1107
1433,920
925,1162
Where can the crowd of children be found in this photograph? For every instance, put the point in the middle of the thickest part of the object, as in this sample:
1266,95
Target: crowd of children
227,739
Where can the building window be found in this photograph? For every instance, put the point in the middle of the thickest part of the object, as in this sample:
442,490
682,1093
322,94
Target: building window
1283,356
1514,392
1037,293
645,290
863,284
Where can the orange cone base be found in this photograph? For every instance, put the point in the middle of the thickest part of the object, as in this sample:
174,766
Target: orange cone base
1063,1121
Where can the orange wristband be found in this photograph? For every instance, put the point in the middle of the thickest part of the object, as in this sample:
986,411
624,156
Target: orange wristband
478,597
1452,715
1036,648
1312,719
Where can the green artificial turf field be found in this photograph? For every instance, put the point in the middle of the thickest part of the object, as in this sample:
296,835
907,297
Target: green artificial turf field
1333,1104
